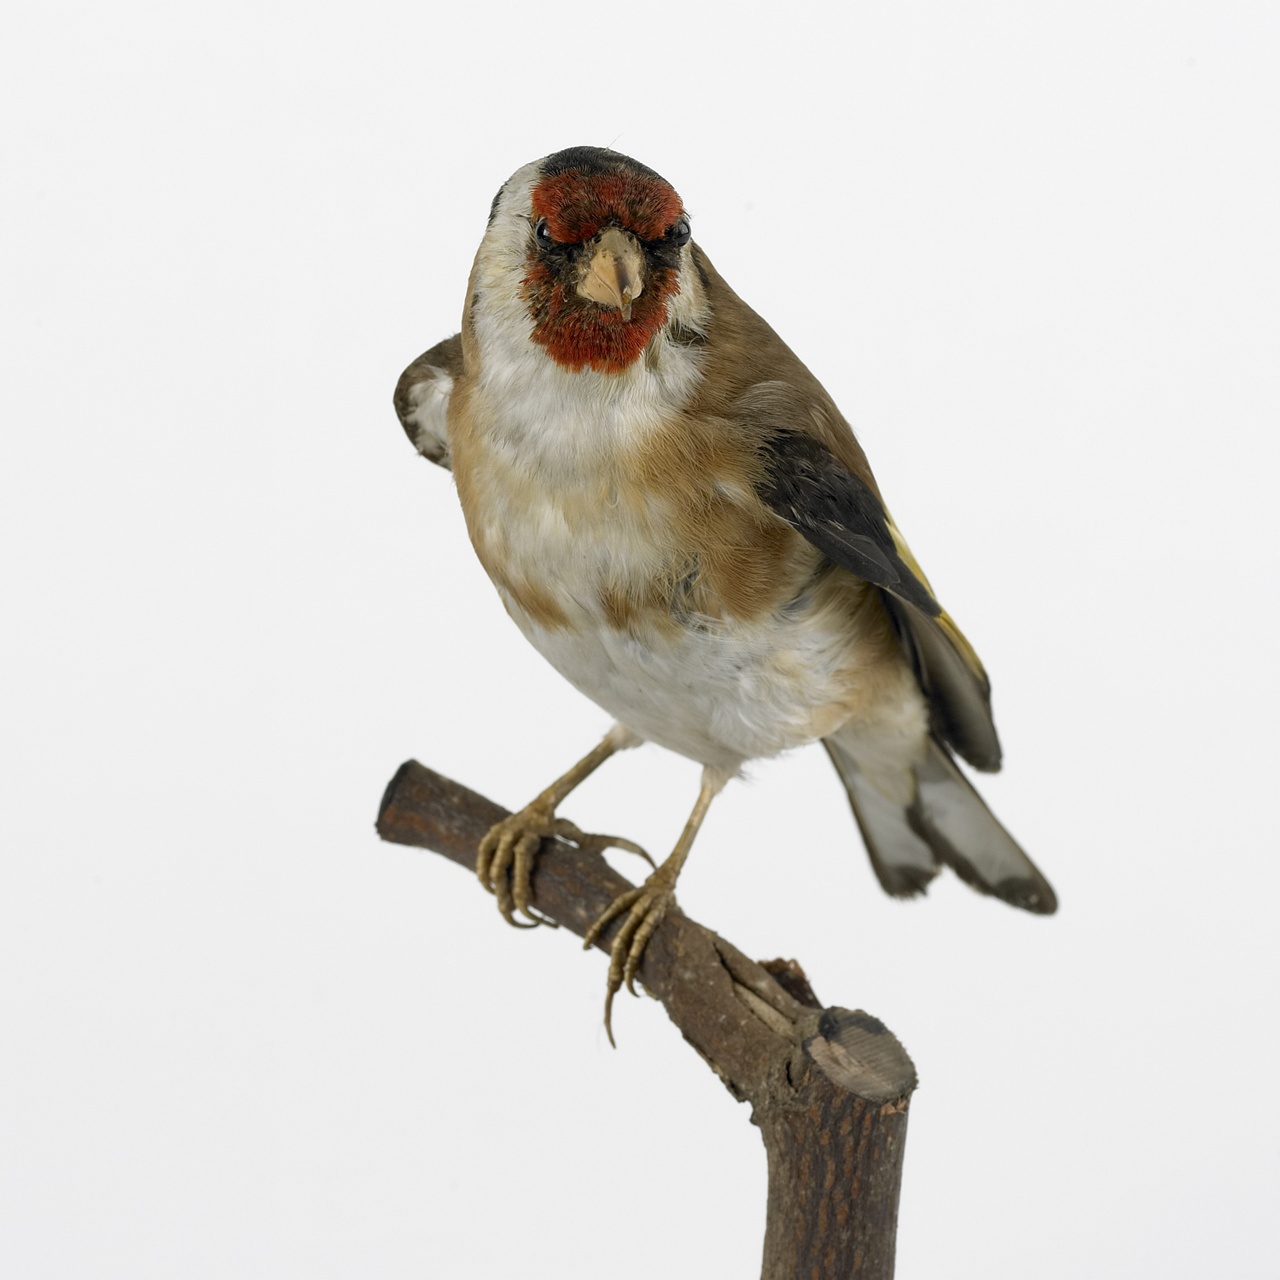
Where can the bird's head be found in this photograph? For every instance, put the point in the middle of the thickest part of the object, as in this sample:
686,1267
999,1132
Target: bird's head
587,251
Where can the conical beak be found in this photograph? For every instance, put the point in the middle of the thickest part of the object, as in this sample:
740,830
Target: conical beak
615,274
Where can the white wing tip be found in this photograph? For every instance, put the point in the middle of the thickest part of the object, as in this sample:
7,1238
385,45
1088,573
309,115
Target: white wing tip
428,401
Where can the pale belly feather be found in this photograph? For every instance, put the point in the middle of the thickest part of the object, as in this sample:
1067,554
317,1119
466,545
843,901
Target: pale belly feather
720,694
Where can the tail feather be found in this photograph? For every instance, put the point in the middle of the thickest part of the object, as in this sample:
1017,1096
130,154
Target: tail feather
946,822
901,857
965,835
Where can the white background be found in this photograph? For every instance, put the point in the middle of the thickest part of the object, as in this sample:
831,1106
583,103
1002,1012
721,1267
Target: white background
1034,255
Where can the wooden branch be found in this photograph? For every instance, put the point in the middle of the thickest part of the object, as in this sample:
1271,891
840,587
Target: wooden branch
829,1088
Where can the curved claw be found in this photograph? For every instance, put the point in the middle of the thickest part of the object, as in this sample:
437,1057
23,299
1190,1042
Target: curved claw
608,1016
645,907
566,830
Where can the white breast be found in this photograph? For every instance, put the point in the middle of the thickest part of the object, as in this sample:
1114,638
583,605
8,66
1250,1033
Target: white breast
718,692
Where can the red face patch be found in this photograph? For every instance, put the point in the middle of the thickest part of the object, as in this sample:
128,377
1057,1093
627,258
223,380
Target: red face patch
577,205
581,334
576,332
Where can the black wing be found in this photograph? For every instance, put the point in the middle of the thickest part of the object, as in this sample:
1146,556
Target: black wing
830,507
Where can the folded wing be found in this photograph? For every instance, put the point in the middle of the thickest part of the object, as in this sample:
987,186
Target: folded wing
826,503
422,398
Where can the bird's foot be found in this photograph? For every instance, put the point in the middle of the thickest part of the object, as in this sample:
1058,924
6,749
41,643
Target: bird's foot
645,907
506,856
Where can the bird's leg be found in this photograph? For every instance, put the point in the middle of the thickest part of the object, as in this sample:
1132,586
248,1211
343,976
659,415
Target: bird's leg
646,905
504,862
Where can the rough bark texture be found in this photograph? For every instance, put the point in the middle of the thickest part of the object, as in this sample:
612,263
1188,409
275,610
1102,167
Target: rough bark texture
828,1087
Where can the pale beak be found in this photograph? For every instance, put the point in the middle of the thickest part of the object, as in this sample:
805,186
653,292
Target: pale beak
615,275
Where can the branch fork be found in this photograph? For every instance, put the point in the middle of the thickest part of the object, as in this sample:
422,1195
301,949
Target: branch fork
829,1087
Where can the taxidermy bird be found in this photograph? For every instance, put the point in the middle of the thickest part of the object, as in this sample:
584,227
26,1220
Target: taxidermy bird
681,522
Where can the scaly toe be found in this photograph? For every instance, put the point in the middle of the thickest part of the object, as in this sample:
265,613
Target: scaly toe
504,863
606,917
526,850
640,940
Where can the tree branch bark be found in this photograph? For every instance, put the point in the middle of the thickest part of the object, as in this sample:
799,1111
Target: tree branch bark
829,1088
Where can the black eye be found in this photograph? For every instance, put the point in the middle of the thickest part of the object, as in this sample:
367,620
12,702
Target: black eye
541,234
680,234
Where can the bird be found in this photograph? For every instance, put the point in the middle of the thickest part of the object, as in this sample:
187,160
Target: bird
680,520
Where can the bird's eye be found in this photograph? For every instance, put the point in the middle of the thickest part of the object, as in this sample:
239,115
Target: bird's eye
681,233
542,234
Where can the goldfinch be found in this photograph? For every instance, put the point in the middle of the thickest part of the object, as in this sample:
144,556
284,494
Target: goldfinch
679,519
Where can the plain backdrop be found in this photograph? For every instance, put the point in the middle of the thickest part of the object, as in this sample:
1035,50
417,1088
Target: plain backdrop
1034,253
